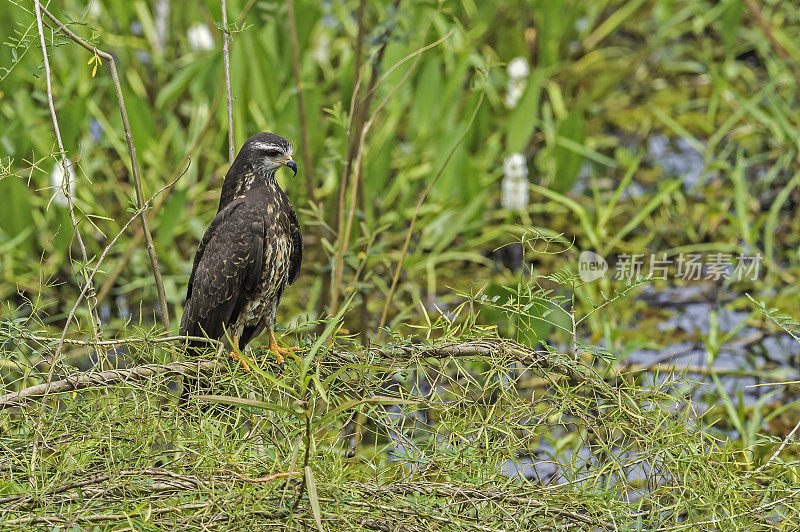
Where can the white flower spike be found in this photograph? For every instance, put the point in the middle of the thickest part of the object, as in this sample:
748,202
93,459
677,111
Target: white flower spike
200,38
57,182
515,186
518,68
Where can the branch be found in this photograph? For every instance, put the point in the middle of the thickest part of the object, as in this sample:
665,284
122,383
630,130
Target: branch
137,181
88,286
92,300
97,267
98,518
80,381
184,482
460,493
226,59
399,355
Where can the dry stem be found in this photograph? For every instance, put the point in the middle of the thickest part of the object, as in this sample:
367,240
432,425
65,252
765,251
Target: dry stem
91,300
136,174
226,57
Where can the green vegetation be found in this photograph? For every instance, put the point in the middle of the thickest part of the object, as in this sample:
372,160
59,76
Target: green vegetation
457,371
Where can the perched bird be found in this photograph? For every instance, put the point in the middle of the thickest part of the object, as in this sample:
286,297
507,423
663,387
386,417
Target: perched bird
248,255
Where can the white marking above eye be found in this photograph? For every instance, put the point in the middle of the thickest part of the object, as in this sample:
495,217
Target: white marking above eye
262,146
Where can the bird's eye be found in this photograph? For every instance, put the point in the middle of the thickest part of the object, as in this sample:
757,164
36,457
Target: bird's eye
272,153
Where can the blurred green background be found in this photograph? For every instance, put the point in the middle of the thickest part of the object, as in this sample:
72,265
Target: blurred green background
660,126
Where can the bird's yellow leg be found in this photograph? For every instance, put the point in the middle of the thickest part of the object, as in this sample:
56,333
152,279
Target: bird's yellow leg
236,354
280,351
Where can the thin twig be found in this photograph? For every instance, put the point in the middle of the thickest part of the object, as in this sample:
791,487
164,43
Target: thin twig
778,451
422,199
306,458
97,518
91,300
412,511
136,174
97,268
88,285
123,341
122,263
466,494
261,480
226,59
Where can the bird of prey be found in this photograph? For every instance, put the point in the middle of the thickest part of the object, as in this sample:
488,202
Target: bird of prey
248,255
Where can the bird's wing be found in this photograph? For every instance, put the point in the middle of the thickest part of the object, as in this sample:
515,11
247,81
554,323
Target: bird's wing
226,270
296,257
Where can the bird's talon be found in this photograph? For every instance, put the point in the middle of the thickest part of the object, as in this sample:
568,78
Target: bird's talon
279,351
243,360
288,351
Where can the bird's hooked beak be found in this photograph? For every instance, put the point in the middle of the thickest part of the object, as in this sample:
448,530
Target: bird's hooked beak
291,164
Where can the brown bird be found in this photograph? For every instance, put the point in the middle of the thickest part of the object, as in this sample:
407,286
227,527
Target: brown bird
248,255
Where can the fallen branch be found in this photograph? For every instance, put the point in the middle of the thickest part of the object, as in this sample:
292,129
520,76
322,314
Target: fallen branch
122,341
80,381
174,481
468,494
399,355
98,518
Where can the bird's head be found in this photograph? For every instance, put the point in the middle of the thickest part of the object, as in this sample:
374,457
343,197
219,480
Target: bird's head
266,152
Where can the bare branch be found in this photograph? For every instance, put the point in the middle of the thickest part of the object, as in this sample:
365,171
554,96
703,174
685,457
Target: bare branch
81,381
124,341
99,518
137,181
88,286
65,165
138,213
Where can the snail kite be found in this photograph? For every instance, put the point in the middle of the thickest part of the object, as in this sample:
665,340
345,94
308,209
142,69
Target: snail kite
248,255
